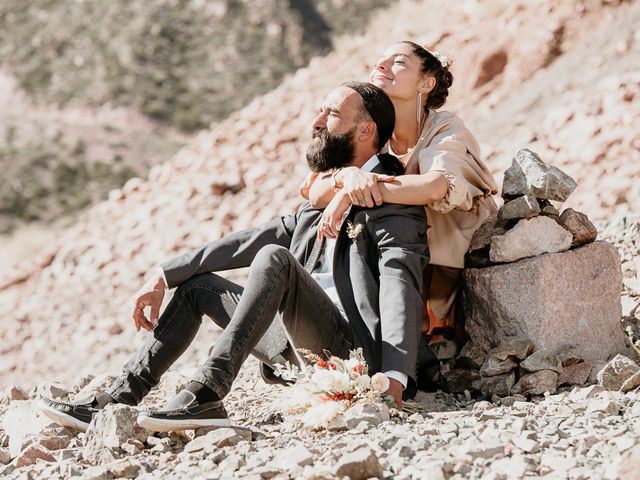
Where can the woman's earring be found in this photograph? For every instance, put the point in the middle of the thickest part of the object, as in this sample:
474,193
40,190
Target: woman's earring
419,109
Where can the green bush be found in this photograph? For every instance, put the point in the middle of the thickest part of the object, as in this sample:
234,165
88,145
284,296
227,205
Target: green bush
179,62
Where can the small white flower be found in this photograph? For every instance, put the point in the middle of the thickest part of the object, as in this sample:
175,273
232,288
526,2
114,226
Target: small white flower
354,230
341,381
352,363
380,382
323,379
362,382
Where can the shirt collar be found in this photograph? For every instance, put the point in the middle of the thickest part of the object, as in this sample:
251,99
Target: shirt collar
370,164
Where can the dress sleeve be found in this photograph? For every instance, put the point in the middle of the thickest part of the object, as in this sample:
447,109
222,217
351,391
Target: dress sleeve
448,154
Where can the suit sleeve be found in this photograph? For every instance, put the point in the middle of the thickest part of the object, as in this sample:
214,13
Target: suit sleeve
400,235
232,251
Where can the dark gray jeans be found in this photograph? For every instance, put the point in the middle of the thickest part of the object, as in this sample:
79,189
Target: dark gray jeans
277,286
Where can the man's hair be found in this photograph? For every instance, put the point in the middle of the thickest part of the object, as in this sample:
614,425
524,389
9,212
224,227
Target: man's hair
377,106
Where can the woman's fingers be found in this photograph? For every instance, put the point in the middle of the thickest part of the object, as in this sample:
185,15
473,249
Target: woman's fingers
355,197
368,199
381,177
375,193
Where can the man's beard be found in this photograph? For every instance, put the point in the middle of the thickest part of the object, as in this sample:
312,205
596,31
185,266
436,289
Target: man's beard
328,151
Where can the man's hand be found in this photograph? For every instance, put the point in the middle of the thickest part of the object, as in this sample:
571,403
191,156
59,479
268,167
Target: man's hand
333,215
395,390
150,295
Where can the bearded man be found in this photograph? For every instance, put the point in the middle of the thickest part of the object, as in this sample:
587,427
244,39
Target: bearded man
361,289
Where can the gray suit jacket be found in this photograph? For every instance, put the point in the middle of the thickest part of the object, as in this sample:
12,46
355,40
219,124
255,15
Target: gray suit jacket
378,275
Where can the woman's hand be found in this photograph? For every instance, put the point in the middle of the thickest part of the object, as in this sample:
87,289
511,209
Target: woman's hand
362,187
333,215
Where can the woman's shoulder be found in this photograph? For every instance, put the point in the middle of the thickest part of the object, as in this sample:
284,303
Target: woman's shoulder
442,119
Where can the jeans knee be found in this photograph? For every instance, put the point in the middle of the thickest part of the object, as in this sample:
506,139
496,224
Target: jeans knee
193,289
272,256
186,286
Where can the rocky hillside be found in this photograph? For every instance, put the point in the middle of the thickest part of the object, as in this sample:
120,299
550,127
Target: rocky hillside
569,98
94,93
557,77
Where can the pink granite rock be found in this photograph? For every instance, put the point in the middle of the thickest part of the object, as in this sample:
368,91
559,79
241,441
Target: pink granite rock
556,299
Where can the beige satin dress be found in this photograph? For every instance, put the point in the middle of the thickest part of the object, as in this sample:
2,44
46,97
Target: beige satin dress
447,146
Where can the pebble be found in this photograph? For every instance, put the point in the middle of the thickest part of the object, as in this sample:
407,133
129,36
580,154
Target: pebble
359,465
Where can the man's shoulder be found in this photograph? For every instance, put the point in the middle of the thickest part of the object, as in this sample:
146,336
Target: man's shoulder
389,164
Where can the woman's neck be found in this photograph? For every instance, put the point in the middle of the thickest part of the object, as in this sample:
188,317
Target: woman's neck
407,131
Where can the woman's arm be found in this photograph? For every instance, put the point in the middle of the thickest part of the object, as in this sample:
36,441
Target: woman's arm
361,187
321,191
421,189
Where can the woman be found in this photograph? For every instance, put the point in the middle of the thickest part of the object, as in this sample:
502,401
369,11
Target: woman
443,172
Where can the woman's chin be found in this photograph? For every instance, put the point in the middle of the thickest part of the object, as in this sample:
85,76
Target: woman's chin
379,82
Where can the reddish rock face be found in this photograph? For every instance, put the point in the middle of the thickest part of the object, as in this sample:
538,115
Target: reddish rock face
579,225
33,453
575,374
571,297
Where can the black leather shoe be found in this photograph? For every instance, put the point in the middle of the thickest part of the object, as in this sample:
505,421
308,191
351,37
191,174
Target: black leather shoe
75,415
184,412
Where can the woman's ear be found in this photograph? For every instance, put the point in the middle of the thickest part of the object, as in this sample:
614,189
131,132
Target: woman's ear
428,84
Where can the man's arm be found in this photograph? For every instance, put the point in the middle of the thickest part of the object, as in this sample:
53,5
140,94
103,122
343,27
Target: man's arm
232,251
399,232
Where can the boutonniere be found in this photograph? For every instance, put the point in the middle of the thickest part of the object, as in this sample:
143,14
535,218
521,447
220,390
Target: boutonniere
354,230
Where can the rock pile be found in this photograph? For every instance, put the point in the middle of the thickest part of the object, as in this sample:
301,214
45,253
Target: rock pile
514,370
547,263
528,224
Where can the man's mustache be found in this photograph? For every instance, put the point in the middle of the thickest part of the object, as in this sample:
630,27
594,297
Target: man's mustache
319,133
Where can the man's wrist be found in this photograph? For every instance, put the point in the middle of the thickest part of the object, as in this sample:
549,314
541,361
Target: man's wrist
159,273
401,377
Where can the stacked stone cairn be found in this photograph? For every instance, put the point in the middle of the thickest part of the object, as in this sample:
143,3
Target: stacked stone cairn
511,371
528,224
520,345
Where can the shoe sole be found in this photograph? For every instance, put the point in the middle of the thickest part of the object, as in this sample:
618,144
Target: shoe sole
62,418
160,425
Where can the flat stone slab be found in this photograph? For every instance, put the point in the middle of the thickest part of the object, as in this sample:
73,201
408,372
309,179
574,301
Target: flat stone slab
555,299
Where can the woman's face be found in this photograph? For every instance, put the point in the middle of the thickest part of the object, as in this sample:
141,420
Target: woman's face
397,72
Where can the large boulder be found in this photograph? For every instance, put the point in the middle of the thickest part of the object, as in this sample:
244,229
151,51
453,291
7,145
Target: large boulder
570,297
530,237
537,383
528,175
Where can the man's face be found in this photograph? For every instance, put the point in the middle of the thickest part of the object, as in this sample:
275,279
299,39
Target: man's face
334,129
